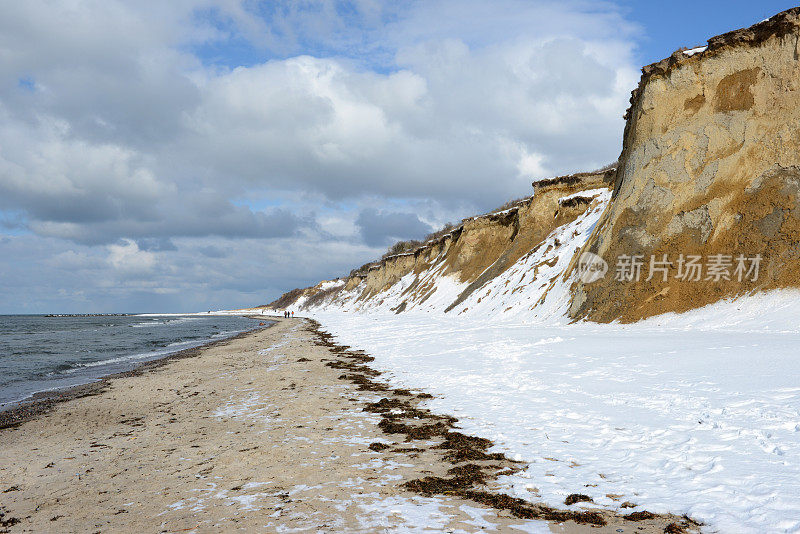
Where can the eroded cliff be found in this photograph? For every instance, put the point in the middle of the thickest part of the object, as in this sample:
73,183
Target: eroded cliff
443,273
710,168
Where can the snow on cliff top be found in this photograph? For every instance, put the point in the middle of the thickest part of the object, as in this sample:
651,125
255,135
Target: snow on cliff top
694,51
590,193
330,284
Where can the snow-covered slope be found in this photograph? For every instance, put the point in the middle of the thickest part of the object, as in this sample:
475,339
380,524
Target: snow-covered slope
514,263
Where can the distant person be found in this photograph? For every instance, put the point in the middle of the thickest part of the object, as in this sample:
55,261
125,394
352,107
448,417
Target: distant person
292,314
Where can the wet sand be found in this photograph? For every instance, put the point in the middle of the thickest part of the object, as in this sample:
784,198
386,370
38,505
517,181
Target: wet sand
263,432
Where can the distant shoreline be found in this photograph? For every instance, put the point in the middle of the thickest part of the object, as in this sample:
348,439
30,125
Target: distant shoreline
90,314
41,402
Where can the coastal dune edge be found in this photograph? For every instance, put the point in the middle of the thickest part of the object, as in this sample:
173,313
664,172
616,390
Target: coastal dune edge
275,428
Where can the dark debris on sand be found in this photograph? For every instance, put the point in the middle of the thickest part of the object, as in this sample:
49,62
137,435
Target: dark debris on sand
6,521
576,497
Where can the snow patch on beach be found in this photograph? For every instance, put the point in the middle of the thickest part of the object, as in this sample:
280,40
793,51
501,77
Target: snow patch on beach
427,514
694,414
250,406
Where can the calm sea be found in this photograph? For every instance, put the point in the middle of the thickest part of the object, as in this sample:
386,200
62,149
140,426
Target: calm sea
39,353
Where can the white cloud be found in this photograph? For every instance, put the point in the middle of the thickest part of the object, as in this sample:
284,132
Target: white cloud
126,258
117,131
441,124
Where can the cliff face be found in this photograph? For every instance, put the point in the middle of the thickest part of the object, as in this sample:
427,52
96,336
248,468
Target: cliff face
710,166
705,205
533,220
444,273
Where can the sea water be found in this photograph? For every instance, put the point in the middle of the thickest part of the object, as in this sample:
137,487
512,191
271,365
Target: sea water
40,353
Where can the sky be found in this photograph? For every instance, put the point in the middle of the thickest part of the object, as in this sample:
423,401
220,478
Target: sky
208,154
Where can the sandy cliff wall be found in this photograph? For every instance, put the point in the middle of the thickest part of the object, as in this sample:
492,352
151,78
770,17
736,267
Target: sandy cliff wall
710,165
478,251
484,247
533,220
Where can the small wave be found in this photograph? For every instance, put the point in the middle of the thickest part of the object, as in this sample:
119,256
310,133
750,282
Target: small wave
59,369
185,342
32,352
147,324
156,322
226,333
171,348
112,361
119,359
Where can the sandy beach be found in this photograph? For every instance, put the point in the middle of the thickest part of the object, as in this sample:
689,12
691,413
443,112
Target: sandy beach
278,429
